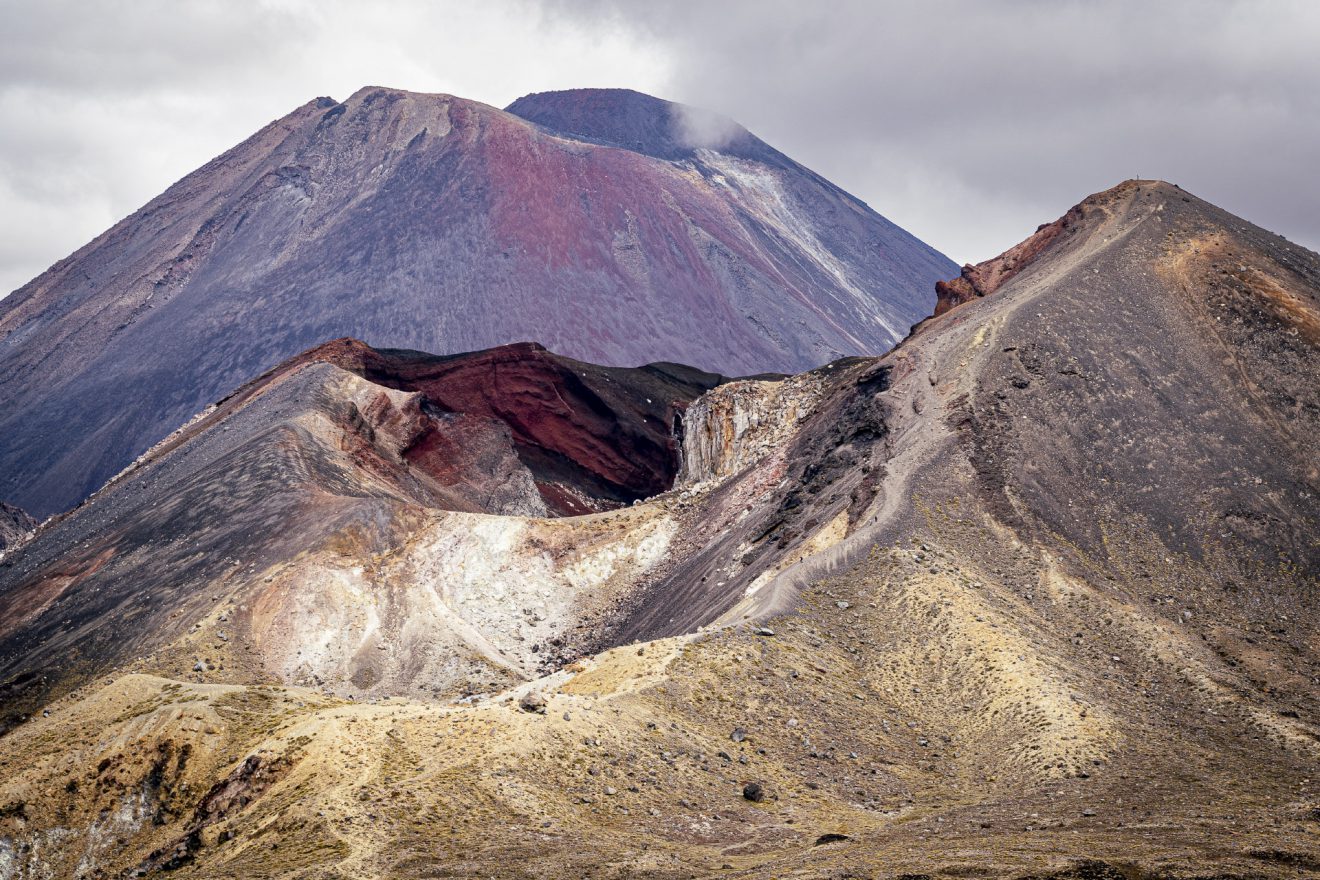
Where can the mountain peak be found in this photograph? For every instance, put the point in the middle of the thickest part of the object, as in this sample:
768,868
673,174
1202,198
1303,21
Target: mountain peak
984,278
1132,187
373,93
638,122
434,223
403,105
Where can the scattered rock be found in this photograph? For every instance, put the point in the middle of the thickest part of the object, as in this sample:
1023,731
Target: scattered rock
739,734
764,631
754,792
532,702
830,837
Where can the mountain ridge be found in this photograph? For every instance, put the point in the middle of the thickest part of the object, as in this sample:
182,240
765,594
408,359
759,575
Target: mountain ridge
984,278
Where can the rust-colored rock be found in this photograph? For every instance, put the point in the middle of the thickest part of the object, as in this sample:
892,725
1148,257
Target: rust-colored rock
593,437
985,278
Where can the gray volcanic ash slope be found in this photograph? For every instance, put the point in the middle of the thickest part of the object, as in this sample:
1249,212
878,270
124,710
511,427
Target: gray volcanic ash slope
1032,596
431,222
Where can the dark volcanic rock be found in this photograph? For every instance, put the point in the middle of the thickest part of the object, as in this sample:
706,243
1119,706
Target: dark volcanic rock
638,122
1173,361
532,702
15,524
434,223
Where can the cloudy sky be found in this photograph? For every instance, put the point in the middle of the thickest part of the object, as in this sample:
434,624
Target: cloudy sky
969,122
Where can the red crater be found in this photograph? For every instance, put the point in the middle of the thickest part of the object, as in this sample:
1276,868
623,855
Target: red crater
593,437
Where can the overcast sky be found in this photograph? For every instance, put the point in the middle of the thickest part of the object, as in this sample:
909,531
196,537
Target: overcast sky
969,122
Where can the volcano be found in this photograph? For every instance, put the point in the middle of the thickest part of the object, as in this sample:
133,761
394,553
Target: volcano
1031,596
605,225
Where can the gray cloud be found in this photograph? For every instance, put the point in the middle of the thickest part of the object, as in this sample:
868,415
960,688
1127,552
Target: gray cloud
967,122
970,122
699,128
107,104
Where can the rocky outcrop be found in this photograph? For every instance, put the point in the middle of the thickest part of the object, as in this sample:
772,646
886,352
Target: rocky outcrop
337,454
592,437
15,526
737,424
985,278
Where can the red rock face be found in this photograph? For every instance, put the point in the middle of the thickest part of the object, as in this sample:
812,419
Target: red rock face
985,278
345,441
593,437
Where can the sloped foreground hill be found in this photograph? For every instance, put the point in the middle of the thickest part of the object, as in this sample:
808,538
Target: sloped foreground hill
1031,596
